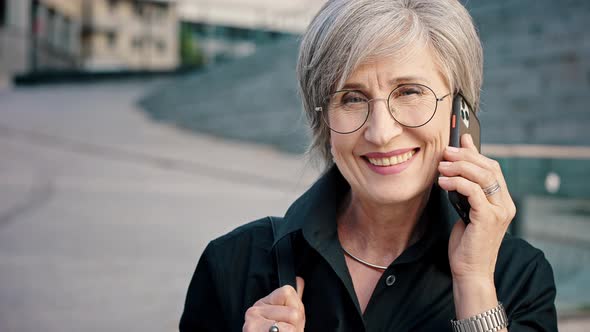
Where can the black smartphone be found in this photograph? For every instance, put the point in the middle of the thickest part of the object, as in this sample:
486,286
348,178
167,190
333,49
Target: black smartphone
463,121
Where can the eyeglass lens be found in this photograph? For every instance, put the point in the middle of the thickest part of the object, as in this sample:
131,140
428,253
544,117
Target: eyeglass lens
411,105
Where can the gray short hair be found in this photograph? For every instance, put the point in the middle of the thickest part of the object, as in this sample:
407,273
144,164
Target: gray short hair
345,33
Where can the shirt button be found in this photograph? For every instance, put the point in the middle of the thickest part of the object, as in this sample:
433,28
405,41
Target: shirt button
390,280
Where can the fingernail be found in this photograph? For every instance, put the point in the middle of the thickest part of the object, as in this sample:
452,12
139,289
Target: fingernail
445,164
452,149
443,179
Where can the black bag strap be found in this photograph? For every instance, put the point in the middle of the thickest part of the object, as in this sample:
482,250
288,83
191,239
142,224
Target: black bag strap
283,256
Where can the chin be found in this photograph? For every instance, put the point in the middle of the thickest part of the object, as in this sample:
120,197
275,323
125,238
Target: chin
384,194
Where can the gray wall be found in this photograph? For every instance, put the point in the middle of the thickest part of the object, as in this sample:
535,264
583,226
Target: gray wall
537,70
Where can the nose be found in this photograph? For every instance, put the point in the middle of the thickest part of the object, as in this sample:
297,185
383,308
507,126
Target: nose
381,127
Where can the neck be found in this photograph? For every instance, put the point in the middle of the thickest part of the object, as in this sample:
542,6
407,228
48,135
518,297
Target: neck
380,233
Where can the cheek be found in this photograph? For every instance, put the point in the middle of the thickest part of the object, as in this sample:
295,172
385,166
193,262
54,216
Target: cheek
443,129
438,133
342,144
443,138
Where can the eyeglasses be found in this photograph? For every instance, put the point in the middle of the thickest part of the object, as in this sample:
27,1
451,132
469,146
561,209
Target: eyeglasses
411,105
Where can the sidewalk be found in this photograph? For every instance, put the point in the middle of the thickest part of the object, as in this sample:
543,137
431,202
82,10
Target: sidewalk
103,213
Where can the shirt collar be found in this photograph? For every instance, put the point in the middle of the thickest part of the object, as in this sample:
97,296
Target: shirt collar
314,213
317,207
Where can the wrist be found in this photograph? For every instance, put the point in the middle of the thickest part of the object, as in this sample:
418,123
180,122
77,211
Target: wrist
473,296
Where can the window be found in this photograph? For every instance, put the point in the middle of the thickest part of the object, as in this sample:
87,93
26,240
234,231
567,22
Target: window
238,33
113,5
2,13
274,35
112,39
139,9
160,10
219,32
137,42
66,34
161,45
50,27
199,29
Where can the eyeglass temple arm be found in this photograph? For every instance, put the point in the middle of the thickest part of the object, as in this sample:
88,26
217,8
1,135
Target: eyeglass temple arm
443,97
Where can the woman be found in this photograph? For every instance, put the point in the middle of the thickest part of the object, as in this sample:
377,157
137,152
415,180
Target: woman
372,240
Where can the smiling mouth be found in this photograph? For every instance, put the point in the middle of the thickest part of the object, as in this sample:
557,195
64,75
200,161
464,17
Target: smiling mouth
393,160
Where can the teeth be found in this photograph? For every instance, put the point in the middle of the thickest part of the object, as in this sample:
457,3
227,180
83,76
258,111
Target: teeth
393,160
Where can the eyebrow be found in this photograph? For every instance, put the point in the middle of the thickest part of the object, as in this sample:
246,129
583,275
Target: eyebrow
391,82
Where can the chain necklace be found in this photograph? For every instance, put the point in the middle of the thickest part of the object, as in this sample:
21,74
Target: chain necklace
375,266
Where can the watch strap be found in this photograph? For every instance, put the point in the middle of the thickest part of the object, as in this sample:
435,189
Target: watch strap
492,320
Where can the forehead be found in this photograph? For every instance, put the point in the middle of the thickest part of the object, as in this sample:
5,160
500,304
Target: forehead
416,64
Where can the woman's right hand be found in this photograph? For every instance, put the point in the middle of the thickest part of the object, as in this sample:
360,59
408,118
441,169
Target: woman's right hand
283,306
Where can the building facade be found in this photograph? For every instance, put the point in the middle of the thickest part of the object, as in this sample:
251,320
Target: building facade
270,15
225,29
14,37
129,34
40,35
102,35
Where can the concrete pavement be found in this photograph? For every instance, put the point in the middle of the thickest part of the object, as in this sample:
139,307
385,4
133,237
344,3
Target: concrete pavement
103,213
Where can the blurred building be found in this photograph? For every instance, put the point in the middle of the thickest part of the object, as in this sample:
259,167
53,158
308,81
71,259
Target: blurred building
225,29
55,30
14,32
87,34
140,34
129,34
272,15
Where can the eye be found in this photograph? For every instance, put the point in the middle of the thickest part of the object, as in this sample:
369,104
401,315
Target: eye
352,98
408,91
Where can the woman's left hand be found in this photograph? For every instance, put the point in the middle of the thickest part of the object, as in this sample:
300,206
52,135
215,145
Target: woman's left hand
473,248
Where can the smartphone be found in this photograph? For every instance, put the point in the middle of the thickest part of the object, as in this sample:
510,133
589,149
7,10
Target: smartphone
463,121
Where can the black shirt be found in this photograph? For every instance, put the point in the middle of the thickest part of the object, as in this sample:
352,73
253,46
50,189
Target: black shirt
414,293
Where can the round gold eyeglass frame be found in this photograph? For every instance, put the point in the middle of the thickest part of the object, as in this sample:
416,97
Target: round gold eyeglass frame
321,108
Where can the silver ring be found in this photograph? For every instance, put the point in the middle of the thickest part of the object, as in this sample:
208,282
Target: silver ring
494,188
274,328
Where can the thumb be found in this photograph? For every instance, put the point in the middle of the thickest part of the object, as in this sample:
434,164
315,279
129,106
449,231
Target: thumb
456,235
467,141
300,285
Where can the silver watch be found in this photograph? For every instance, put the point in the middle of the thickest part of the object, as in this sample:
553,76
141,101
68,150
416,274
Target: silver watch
492,320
